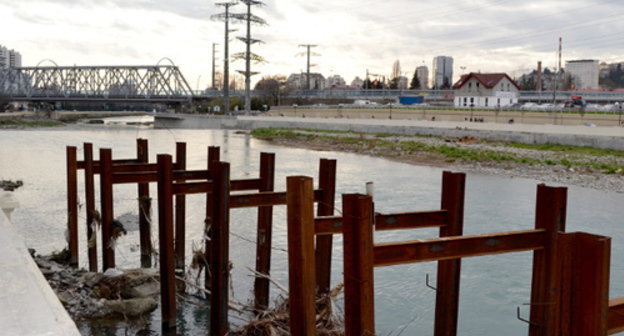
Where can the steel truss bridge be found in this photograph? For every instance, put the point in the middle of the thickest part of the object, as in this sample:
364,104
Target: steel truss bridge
143,84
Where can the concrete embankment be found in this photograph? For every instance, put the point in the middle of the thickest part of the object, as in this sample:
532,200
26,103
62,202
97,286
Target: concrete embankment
29,306
599,137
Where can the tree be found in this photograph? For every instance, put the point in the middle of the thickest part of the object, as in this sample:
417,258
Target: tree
415,84
271,88
396,73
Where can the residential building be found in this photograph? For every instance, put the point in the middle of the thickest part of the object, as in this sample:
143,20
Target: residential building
298,81
335,81
423,76
9,58
402,83
489,90
15,59
442,72
357,82
585,73
4,57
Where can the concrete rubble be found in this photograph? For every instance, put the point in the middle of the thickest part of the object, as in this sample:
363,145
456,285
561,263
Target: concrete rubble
90,295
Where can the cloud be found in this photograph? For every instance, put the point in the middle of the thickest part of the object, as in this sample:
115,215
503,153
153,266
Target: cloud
352,36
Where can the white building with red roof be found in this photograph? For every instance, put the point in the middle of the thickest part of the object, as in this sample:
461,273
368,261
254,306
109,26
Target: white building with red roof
485,90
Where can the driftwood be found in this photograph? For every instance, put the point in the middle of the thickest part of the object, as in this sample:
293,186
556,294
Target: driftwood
275,321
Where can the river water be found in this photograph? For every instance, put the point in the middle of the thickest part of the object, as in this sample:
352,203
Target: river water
491,288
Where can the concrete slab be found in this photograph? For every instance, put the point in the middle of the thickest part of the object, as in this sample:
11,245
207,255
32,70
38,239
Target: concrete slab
28,306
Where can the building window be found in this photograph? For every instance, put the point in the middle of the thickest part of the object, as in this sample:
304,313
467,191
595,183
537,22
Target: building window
508,87
477,85
465,101
486,102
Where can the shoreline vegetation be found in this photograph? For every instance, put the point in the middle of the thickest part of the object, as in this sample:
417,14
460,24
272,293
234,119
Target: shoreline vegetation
28,123
601,169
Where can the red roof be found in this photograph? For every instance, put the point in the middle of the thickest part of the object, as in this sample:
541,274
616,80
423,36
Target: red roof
489,80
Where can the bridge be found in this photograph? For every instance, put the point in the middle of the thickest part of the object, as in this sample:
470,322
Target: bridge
148,83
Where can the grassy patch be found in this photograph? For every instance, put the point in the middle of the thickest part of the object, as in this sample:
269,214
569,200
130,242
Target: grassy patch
571,149
29,123
450,153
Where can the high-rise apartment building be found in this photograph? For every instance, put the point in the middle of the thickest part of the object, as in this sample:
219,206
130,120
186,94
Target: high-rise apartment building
9,58
442,72
585,73
15,59
423,76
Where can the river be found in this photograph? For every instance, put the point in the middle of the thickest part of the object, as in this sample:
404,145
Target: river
491,288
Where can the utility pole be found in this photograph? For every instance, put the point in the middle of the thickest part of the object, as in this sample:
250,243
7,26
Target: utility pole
214,52
308,47
557,74
248,55
226,53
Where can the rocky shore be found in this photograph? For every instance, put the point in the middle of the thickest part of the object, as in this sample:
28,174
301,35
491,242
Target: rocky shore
584,167
92,296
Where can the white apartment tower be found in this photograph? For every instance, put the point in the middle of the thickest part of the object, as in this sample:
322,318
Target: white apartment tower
15,59
585,73
423,77
442,72
9,58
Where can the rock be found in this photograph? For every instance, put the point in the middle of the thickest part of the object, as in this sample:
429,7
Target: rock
113,273
92,278
141,282
143,290
132,307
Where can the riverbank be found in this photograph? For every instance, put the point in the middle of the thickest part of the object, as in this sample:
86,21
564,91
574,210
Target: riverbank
601,169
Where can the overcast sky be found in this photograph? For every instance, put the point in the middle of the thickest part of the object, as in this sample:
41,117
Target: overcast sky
352,36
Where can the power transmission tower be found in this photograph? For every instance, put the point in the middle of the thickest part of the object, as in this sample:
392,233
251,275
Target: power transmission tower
226,53
214,52
248,56
308,47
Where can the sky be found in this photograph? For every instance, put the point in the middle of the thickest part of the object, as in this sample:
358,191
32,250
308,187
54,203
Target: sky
351,36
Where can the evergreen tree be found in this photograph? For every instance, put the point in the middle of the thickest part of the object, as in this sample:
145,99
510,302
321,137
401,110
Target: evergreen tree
415,84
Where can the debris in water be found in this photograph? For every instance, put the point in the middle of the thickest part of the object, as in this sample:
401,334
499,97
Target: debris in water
8,185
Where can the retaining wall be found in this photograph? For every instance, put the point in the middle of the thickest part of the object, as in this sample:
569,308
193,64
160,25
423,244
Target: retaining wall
29,305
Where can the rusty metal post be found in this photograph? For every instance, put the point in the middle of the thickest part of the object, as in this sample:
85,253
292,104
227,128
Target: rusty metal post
357,214
327,183
180,210
264,232
106,200
550,215
213,156
585,293
72,204
145,209
90,206
448,277
165,240
301,261
220,260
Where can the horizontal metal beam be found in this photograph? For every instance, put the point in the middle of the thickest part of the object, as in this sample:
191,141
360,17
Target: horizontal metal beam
615,317
396,221
263,199
387,254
